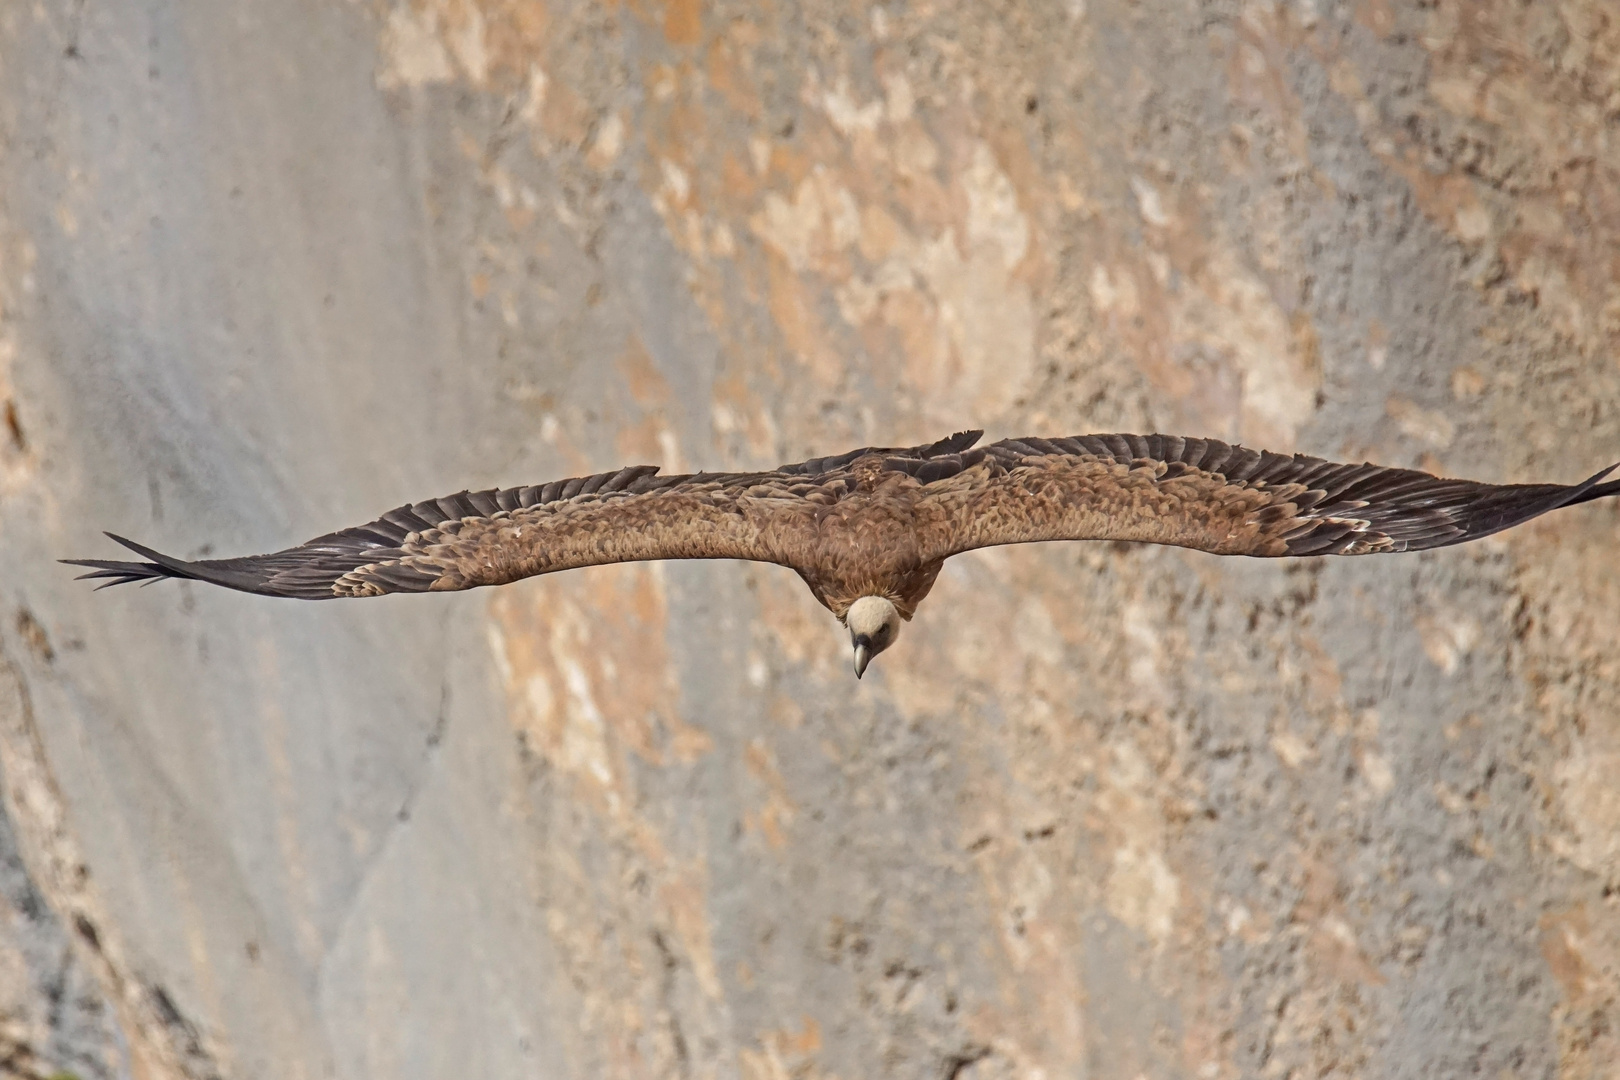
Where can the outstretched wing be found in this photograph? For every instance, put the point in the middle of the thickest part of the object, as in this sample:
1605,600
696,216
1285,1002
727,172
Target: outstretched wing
493,537
1208,495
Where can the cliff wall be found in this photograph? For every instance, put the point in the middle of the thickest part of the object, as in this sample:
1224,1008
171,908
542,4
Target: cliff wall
268,269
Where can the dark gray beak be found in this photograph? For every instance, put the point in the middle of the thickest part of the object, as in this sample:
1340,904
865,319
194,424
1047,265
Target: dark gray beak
863,655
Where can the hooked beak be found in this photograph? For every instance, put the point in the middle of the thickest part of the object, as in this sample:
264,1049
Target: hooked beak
863,656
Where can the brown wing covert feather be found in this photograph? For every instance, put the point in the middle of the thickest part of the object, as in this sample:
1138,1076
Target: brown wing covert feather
1213,496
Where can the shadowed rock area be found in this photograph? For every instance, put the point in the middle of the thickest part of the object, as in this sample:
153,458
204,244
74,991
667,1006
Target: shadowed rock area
270,268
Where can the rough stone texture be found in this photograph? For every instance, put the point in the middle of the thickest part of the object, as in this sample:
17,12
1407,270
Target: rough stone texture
53,1016
268,268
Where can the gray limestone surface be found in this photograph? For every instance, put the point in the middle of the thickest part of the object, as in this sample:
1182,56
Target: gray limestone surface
270,268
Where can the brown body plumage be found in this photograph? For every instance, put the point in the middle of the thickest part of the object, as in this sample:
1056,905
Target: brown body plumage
880,522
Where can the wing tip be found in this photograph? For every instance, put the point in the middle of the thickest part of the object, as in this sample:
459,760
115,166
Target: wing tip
1593,487
142,550
119,572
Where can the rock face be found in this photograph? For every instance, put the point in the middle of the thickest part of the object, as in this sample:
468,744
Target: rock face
267,269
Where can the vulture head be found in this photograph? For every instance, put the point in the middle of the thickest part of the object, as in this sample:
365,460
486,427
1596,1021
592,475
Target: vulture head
873,623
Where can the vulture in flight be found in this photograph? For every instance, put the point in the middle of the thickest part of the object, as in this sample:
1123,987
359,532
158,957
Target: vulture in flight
869,530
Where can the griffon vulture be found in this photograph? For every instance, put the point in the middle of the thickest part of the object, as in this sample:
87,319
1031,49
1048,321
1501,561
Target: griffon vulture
869,530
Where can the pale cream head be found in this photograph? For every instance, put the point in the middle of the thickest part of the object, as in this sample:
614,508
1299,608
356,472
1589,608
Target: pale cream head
874,624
